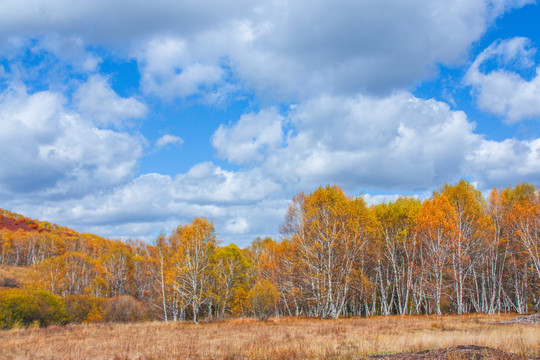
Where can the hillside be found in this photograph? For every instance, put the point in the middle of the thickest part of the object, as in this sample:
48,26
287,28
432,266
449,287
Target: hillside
26,242
23,242
16,222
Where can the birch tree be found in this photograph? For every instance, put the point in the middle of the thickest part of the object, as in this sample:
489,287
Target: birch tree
471,220
195,244
399,246
436,226
329,231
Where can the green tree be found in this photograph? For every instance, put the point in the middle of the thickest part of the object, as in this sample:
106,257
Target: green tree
230,274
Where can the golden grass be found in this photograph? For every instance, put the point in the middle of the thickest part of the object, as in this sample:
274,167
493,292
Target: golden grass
22,274
280,338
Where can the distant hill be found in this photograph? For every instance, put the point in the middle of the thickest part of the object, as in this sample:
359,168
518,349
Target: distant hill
14,222
17,233
25,241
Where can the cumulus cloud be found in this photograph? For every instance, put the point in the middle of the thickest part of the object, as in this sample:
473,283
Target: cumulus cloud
250,138
510,161
96,100
396,142
503,90
237,226
382,198
278,49
498,7
349,46
243,205
47,150
168,139
206,182
170,71
399,142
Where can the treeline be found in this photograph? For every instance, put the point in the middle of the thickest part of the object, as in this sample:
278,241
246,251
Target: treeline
453,253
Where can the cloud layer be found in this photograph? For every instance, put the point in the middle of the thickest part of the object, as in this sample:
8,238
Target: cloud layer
278,49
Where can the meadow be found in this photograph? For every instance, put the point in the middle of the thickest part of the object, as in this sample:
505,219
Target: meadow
278,338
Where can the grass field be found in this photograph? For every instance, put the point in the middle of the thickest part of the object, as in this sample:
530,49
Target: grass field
279,338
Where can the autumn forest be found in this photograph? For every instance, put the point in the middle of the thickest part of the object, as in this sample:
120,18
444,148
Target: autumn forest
455,252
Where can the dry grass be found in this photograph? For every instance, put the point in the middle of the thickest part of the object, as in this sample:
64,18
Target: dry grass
22,274
281,338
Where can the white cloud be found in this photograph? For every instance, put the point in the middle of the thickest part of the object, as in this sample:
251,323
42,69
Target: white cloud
186,48
168,139
250,138
237,226
123,20
171,71
243,205
47,150
379,199
507,162
503,91
208,183
353,46
97,101
501,6
396,142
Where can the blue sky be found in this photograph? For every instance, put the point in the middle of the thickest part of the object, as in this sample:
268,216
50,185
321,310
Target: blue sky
128,118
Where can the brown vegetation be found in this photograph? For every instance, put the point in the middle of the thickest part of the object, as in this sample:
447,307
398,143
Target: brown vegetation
15,276
279,338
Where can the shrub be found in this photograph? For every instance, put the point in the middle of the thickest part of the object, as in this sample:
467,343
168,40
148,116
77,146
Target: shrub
85,308
25,307
125,308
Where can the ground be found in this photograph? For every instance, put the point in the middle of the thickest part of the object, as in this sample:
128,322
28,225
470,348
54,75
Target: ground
461,352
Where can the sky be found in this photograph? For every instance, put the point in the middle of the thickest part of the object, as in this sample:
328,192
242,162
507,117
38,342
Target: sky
127,118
